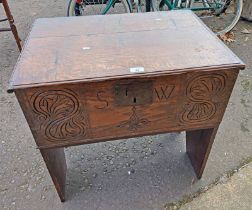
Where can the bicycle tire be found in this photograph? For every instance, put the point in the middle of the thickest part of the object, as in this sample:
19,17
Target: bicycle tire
71,8
237,17
229,26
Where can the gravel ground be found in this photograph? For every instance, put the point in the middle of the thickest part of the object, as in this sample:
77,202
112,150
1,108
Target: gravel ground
141,173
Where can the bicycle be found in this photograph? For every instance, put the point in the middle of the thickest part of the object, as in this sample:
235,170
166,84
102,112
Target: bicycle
220,15
96,7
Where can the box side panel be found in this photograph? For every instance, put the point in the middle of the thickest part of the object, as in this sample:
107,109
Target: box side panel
64,115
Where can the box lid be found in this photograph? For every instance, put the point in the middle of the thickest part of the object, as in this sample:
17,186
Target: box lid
92,48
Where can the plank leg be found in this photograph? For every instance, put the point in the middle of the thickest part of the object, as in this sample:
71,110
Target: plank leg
56,164
198,147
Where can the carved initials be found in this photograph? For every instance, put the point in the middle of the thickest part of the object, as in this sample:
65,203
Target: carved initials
164,92
104,101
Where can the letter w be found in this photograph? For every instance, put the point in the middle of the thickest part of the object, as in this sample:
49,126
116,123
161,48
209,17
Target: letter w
164,92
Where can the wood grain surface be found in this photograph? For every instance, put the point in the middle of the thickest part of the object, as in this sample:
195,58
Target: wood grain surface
56,164
61,50
82,80
64,115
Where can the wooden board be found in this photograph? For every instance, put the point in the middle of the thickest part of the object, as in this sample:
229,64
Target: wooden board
64,115
62,50
75,84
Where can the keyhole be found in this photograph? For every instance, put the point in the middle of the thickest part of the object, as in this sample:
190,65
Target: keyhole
126,92
134,100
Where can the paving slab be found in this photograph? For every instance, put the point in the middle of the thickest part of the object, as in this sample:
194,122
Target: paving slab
233,194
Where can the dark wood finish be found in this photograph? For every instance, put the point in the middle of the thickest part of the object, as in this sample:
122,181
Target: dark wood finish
181,84
198,146
56,165
100,48
88,112
11,22
132,93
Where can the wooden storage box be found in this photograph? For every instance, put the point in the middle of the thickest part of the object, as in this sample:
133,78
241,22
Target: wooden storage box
81,80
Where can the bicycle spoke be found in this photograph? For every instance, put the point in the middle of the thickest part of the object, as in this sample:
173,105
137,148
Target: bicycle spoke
222,15
96,7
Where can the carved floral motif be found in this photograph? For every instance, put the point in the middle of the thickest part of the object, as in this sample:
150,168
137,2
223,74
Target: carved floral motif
60,114
134,122
200,93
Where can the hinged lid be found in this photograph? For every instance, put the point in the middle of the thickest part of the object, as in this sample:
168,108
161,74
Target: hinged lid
71,49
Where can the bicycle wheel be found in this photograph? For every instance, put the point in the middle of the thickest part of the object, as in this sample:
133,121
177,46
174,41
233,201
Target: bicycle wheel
97,7
219,15
223,16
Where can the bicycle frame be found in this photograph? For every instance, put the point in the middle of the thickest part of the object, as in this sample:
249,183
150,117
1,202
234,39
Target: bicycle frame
215,9
110,3
176,4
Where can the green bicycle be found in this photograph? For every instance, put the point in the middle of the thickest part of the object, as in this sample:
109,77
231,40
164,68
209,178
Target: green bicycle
98,7
220,15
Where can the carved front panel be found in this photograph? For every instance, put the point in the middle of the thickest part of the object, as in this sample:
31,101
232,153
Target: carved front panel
202,93
60,114
86,112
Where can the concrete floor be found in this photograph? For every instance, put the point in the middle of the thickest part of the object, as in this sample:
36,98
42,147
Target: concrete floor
141,173
232,194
